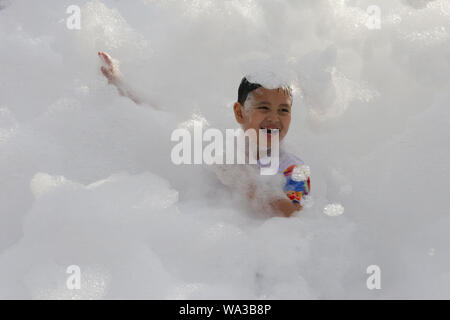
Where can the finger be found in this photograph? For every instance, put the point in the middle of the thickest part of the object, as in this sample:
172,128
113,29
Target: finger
101,55
106,57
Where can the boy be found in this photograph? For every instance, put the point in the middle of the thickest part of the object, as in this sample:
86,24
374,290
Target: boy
257,108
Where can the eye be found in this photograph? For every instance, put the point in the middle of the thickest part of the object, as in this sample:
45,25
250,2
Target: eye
263,108
285,110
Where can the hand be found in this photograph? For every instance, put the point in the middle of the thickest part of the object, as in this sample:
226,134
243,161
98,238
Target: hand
285,206
110,71
297,206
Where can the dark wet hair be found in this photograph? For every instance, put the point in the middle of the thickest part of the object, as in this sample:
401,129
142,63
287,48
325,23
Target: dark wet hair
247,87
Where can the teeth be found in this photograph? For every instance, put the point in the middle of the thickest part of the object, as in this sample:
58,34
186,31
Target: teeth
271,131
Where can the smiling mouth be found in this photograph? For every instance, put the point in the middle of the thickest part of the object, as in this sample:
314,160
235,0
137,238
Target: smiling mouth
270,130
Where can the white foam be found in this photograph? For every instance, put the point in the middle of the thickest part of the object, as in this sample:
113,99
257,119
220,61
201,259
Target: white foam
86,177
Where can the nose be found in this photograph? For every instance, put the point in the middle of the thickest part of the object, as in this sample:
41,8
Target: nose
272,116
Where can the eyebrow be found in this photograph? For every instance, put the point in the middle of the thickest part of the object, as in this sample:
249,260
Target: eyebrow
266,102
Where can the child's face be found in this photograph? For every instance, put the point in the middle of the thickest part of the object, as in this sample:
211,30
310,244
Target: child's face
265,109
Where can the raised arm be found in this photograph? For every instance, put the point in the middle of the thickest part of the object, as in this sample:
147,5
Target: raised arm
111,71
